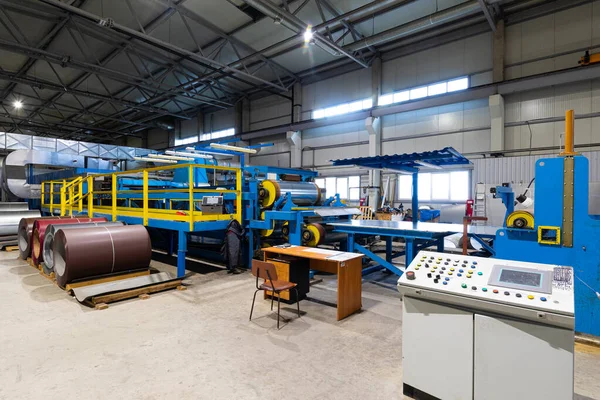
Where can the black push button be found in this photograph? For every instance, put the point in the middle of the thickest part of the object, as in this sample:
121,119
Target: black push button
507,293
429,275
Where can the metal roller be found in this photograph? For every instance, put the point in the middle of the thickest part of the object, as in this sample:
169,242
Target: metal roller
39,231
51,232
276,228
303,193
315,234
521,219
24,234
98,251
9,220
14,206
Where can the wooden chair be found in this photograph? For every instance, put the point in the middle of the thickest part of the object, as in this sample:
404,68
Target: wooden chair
268,272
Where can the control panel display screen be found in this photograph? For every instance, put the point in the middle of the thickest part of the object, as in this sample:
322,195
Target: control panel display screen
532,279
212,201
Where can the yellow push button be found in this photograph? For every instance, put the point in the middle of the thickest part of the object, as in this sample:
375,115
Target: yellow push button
530,297
418,265
416,268
435,267
451,269
470,271
450,273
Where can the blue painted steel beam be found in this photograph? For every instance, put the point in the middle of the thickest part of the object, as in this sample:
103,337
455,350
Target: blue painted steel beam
377,259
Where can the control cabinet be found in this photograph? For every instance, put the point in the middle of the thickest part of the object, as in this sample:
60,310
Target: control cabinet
487,328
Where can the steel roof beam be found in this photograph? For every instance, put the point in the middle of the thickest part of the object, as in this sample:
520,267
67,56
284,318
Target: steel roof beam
489,14
296,25
212,64
185,12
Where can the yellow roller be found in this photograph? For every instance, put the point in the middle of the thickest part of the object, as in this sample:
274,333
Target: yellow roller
313,235
265,232
269,192
521,219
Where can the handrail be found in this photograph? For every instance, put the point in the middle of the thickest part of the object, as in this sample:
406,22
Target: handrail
73,193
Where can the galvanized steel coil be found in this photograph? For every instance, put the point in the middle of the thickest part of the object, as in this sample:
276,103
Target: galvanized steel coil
102,250
51,232
14,206
9,220
303,193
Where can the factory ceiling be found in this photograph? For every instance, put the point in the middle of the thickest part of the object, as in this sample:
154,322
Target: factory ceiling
98,70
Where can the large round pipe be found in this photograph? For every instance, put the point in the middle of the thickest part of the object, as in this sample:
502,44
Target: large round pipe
9,220
24,234
39,231
51,232
86,253
440,17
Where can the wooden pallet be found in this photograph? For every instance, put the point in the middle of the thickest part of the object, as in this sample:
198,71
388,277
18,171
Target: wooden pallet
101,302
11,248
70,286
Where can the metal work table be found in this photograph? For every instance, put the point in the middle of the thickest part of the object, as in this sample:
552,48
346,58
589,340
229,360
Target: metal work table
417,235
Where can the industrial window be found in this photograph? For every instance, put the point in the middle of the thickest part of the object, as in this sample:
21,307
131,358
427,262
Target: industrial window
217,134
434,89
439,186
189,140
343,108
348,187
205,136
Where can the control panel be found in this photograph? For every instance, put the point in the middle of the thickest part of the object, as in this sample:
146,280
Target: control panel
212,205
472,281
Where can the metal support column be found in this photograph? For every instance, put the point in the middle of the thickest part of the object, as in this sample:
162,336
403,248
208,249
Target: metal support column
415,199
181,252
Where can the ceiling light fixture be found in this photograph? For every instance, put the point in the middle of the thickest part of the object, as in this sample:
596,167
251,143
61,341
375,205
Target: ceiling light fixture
308,35
17,104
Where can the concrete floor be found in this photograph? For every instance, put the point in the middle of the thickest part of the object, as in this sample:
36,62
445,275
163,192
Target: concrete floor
199,344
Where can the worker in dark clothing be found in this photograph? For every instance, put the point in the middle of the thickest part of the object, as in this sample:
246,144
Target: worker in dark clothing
232,246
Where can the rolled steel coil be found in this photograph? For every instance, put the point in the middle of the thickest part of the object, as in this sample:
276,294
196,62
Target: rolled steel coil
24,234
39,232
102,250
9,220
51,232
303,193
14,206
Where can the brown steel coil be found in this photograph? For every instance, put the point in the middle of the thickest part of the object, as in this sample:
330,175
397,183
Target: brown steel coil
39,231
92,252
24,234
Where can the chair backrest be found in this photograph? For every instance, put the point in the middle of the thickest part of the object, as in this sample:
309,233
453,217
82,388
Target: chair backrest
264,270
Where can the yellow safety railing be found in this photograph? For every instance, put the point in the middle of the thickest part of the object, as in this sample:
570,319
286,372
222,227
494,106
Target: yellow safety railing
63,193
72,196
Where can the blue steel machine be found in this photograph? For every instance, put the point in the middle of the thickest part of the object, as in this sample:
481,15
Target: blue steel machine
285,205
562,231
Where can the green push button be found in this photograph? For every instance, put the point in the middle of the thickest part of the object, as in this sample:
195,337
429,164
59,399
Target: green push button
464,285
484,289
480,273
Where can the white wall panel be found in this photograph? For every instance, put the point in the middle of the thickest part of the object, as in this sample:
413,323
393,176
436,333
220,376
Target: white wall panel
548,37
462,57
269,111
354,85
219,120
274,160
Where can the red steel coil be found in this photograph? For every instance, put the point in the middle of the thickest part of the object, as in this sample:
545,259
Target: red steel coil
91,252
25,230
39,231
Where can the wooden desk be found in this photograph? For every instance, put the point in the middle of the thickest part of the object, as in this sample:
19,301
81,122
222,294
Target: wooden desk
347,266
